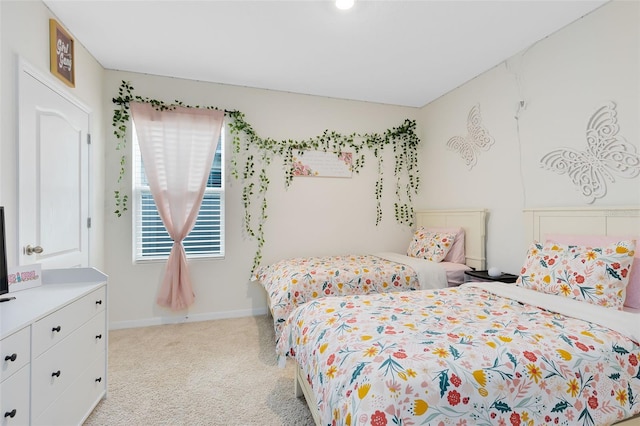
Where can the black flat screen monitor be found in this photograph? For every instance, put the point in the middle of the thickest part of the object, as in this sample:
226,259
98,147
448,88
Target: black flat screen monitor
4,278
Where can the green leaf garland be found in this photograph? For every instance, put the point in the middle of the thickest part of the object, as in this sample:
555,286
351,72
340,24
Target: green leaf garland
251,154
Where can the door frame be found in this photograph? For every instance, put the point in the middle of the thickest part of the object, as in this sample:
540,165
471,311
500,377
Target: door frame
26,67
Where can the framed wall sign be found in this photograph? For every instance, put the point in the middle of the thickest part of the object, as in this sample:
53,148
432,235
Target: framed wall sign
322,164
61,53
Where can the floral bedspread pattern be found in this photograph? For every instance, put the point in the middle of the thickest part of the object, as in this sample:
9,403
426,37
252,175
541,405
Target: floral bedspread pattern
459,356
290,283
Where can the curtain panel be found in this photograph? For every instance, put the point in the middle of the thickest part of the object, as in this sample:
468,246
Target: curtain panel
177,148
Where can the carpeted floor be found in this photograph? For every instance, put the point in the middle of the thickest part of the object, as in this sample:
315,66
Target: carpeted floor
221,372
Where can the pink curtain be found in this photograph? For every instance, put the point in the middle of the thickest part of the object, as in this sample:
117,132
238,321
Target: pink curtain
177,148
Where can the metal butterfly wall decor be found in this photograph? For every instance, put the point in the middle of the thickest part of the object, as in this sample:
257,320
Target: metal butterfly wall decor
478,139
607,154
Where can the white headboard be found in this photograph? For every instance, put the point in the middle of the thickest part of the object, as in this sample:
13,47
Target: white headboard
610,221
472,221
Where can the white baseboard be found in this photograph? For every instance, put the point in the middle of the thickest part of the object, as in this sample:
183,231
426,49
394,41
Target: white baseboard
117,325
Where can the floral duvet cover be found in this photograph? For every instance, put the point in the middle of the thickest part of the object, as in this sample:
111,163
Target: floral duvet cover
461,356
292,282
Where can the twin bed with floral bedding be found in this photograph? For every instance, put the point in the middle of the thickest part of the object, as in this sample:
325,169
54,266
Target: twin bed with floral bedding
561,346
293,282
436,257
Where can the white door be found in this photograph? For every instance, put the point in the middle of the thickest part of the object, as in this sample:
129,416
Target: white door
53,172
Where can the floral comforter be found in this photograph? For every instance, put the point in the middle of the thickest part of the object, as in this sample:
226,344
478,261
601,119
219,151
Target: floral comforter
292,282
460,356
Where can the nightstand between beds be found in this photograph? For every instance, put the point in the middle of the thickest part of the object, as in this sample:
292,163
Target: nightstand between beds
474,275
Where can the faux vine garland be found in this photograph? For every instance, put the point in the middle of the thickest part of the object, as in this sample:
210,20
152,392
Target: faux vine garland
252,154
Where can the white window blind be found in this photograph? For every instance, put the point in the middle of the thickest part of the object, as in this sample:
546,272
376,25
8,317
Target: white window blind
151,239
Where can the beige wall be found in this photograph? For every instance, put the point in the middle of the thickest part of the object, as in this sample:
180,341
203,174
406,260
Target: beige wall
563,80
24,35
313,216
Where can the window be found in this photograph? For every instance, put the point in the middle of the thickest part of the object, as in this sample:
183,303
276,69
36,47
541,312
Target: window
151,239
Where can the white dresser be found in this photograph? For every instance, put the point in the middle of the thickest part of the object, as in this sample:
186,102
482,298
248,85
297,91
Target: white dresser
53,349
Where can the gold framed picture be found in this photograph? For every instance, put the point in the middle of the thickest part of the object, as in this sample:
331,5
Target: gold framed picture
61,53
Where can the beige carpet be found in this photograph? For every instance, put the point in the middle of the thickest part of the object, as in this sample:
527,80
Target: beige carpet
221,372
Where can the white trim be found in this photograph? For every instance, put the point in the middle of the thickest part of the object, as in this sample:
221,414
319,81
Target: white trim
118,325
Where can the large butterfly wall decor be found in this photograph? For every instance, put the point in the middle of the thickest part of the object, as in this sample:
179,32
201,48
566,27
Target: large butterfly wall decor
477,139
607,154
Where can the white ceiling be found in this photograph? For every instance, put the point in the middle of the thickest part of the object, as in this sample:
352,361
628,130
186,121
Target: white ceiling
394,52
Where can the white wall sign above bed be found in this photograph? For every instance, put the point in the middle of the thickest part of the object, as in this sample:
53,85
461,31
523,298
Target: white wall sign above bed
322,164
607,154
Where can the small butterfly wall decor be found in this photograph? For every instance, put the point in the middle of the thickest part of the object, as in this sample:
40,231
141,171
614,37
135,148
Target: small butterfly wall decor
477,139
607,155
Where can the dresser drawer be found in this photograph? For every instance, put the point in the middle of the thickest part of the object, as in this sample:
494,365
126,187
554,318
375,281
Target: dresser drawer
59,324
77,402
14,395
14,353
56,369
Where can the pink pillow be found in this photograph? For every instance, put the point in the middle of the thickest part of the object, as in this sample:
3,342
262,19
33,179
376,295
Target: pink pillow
456,253
632,299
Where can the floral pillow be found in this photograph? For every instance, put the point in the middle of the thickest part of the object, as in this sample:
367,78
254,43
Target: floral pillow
632,299
456,253
597,275
430,245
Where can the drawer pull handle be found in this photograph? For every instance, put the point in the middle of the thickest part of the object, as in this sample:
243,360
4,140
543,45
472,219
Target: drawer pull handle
11,413
99,379
99,336
98,302
11,357
58,328
56,374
